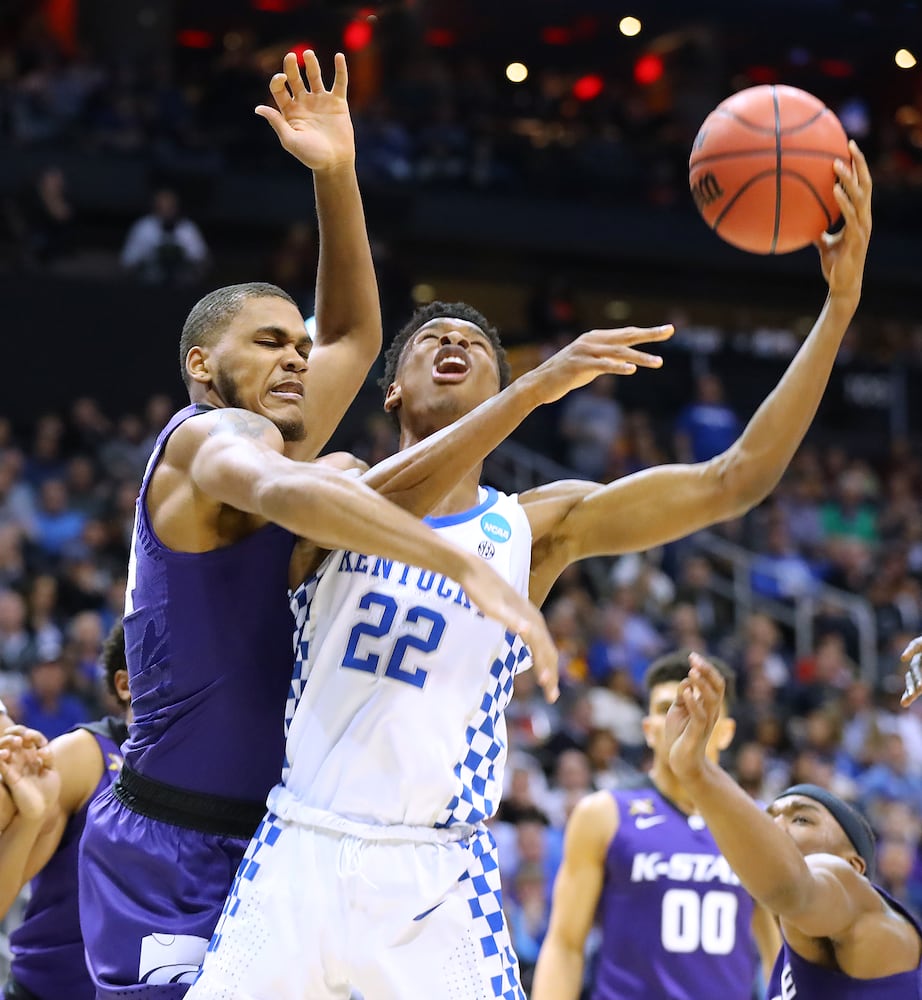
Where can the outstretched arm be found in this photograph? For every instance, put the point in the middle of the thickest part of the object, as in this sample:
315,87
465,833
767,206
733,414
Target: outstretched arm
574,520
559,972
820,895
417,478
314,125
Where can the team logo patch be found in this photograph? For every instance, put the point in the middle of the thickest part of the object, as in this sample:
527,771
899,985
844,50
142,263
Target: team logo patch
642,807
495,527
486,550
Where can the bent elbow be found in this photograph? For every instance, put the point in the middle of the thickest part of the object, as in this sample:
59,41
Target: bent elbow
743,482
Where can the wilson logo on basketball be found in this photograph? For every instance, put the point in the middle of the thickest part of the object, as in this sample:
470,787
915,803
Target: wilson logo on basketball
706,190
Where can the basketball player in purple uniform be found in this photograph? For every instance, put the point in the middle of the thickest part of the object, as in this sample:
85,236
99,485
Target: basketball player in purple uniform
808,859
40,842
675,922
207,623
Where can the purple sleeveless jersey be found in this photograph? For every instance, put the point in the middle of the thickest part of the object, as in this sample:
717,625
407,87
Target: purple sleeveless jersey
676,923
47,946
208,640
794,978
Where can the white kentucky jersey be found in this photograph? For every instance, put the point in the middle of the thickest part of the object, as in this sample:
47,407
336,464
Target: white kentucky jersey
395,715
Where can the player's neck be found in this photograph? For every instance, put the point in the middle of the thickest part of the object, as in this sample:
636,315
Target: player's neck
670,786
461,498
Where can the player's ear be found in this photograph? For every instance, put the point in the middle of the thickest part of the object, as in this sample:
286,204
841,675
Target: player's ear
646,725
392,398
197,364
857,862
725,731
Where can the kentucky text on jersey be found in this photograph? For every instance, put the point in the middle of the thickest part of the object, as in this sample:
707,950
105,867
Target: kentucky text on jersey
422,580
682,868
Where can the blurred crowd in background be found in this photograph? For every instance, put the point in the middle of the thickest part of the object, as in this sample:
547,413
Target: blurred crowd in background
429,116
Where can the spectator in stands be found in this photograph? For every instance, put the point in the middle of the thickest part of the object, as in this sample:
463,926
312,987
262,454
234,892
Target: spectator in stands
590,423
47,704
165,247
56,522
707,426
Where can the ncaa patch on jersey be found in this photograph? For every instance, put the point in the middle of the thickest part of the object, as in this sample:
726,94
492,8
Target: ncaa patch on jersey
495,527
486,550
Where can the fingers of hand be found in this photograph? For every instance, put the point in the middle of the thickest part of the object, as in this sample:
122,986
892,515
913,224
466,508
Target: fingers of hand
312,72
913,680
860,166
340,76
278,87
293,75
912,649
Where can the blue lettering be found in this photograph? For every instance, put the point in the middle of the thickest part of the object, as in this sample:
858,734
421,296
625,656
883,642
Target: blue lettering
403,576
345,565
426,579
444,589
361,564
386,564
461,598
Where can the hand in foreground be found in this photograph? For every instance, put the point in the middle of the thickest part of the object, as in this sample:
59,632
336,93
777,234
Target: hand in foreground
692,716
500,600
312,123
842,254
29,773
912,655
598,352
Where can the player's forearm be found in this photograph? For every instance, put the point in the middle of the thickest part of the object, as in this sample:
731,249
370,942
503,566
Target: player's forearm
338,512
417,478
753,466
764,857
16,844
347,290
559,972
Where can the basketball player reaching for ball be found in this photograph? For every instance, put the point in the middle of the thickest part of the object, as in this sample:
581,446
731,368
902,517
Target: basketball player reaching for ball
39,843
808,859
675,922
207,621
373,868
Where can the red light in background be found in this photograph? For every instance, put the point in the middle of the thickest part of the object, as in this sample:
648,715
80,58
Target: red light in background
273,6
192,38
440,38
762,74
588,87
556,35
648,69
356,35
838,68
299,48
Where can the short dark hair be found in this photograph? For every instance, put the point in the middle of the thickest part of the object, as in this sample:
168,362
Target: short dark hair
113,656
675,667
447,310
210,316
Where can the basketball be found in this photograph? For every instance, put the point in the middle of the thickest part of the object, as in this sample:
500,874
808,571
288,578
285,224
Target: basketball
761,171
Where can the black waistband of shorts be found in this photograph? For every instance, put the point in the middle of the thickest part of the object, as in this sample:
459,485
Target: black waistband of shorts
192,810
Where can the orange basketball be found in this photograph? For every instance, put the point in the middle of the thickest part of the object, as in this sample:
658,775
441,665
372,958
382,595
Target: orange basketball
761,169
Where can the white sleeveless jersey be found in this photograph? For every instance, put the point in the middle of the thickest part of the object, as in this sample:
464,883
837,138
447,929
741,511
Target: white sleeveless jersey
395,714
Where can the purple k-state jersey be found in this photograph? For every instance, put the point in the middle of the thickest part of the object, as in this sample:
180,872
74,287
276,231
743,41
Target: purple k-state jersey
208,638
676,923
794,978
47,946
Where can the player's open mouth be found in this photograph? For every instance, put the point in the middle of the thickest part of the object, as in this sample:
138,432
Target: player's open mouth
288,390
451,364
